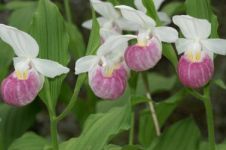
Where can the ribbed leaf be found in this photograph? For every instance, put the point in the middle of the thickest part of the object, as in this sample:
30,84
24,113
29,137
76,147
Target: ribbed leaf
163,111
14,122
48,28
29,141
183,135
99,128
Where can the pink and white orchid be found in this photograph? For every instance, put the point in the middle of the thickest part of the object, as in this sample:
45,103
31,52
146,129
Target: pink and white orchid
196,66
110,19
148,50
107,71
23,85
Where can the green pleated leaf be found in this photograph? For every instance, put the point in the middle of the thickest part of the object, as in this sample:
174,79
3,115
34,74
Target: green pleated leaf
183,135
163,110
220,83
76,44
29,141
99,128
112,147
14,122
174,8
94,38
48,28
22,15
151,11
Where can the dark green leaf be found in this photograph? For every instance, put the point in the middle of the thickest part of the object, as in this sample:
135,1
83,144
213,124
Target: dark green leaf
49,30
174,8
76,44
99,128
220,83
14,122
29,141
163,111
183,135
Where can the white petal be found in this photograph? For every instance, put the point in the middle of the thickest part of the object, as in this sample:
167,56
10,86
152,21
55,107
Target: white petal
139,5
87,24
166,34
217,46
49,68
183,45
164,18
106,33
21,64
158,3
127,25
85,64
136,16
105,9
22,43
113,43
193,27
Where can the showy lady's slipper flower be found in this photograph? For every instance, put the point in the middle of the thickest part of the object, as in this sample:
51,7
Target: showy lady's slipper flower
22,86
107,71
162,15
110,19
196,66
148,50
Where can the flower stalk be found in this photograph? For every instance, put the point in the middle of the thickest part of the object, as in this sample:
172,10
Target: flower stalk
151,105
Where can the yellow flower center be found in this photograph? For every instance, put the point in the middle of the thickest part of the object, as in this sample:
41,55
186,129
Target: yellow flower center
22,75
108,71
194,57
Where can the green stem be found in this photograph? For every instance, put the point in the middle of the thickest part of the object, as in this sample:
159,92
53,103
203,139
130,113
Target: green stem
53,129
131,133
52,115
67,10
151,105
210,121
74,97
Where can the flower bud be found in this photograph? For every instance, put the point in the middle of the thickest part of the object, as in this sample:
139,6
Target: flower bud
195,74
108,83
141,57
21,89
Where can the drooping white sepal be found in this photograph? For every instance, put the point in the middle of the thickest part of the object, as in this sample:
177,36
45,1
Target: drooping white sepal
49,68
166,34
86,63
217,46
106,9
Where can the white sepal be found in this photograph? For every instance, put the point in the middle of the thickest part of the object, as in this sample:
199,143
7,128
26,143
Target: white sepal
127,25
106,33
139,5
158,3
49,68
105,9
21,64
164,18
113,43
85,64
87,24
217,46
22,43
136,16
193,27
166,34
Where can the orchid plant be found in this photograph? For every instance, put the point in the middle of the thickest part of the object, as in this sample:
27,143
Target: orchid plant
125,45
